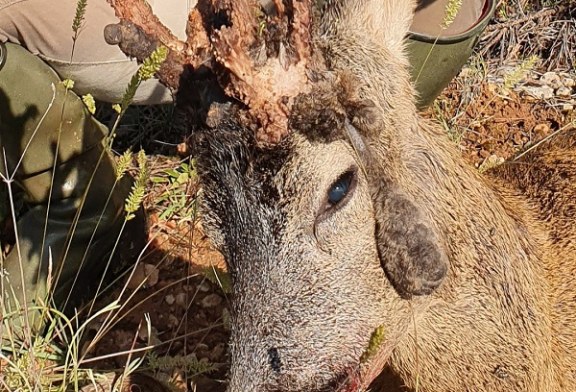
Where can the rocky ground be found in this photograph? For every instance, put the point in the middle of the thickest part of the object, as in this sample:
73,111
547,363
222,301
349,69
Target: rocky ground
181,286
493,122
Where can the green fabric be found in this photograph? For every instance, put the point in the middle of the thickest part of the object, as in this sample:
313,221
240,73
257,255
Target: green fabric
435,65
436,61
40,122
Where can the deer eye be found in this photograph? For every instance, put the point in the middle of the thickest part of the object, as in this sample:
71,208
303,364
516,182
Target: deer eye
341,188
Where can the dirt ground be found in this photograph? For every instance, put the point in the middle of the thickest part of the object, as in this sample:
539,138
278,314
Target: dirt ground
184,295
495,125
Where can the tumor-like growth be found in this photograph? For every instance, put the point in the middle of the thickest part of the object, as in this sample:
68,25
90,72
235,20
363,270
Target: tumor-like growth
261,56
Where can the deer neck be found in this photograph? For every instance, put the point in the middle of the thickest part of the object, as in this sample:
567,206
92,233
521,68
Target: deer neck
494,300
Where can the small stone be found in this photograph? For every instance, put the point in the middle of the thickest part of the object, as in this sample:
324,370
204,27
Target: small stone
181,300
551,79
162,283
564,92
145,275
204,287
172,321
169,299
568,82
517,138
567,107
211,301
540,92
541,129
200,318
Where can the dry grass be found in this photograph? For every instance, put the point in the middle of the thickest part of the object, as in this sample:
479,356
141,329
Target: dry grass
532,28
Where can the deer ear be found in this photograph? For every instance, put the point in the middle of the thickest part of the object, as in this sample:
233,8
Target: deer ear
410,252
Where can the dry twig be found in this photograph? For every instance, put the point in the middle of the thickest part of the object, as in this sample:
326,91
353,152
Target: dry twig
549,33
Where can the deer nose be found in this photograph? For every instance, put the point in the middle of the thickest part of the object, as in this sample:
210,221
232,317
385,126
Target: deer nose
274,359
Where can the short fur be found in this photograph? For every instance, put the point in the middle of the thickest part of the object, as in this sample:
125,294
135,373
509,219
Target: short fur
309,287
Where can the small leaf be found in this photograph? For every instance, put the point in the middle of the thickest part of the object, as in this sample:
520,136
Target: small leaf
68,83
88,100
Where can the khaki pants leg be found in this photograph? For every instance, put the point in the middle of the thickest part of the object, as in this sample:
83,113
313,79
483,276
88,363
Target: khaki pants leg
44,27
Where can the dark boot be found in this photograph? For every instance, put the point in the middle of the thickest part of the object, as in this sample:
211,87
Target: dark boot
73,204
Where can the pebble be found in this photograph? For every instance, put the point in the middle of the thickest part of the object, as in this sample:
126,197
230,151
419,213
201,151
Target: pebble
568,82
172,321
564,92
552,84
181,300
567,107
147,273
541,92
541,129
204,287
152,273
551,79
211,301
169,299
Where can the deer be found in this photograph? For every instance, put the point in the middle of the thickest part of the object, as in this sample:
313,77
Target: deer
363,247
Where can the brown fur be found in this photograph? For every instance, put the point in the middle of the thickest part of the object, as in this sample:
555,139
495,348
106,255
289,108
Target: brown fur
312,281
505,318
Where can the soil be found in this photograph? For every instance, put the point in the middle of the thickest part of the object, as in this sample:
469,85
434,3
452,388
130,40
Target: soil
184,296
491,124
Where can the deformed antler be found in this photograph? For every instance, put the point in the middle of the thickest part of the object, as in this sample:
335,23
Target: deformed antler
262,59
266,83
